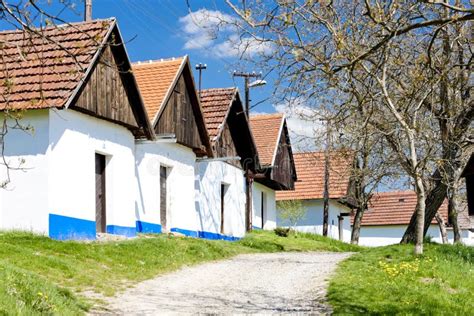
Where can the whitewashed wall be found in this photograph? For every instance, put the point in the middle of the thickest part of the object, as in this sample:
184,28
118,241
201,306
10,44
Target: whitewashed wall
24,202
313,220
55,193
209,177
392,234
75,138
181,210
269,204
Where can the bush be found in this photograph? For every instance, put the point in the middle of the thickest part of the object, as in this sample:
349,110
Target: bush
282,232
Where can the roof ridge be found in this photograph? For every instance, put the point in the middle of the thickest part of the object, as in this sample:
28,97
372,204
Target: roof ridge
158,61
213,89
266,115
63,25
394,192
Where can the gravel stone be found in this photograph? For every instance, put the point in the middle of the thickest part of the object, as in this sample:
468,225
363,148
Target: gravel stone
277,283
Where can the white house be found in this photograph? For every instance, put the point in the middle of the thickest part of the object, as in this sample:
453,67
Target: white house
165,167
309,190
71,174
277,169
389,213
221,189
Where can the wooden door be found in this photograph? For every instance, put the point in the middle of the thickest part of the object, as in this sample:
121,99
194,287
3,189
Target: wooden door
222,207
100,211
262,210
163,196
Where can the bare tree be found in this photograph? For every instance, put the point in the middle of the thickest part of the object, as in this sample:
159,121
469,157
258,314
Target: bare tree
419,102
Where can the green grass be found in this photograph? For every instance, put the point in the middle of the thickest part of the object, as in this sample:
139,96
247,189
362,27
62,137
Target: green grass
391,280
39,275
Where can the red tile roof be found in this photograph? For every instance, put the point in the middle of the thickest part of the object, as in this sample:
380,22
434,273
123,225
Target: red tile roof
215,105
394,208
155,79
266,129
42,69
310,171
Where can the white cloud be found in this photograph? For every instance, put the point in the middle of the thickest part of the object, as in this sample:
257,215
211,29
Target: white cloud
304,124
235,46
216,34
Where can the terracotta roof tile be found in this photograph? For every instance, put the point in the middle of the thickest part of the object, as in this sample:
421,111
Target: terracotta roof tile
154,80
266,132
310,171
42,69
394,208
215,105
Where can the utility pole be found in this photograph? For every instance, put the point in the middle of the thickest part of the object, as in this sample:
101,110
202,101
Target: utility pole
200,67
326,180
248,174
88,10
246,76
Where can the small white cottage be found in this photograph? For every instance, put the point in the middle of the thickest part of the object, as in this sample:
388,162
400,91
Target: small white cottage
277,168
389,213
166,186
221,192
309,189
70,175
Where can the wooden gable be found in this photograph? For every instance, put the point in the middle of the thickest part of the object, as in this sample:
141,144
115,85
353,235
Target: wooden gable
282,174
181,115
283,170
178,118
110,91
235,138
224,146
104,93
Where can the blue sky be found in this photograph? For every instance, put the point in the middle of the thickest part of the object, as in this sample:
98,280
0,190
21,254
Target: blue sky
155,29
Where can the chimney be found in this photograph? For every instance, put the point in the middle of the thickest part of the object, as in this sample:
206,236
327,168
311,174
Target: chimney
88,10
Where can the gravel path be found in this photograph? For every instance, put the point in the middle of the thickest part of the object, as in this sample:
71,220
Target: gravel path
256,283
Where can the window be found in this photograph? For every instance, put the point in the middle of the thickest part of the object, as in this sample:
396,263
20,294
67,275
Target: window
263,205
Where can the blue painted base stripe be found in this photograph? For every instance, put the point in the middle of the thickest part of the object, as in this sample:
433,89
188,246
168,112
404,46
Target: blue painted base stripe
148,228
203,234
122,230
64,228
257,228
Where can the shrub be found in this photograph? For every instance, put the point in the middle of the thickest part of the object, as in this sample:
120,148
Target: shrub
282,231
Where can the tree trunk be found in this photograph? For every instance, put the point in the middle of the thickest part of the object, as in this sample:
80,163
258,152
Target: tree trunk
420,215
453,214
355,234
442,227
326,182
434,199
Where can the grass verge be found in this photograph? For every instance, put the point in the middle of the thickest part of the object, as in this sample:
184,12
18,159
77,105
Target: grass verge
391,280
39,275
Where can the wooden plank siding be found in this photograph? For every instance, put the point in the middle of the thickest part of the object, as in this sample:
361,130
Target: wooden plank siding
224,146
283,171
178,117
104,95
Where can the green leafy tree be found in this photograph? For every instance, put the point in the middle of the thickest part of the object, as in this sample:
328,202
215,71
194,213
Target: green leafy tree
291,211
